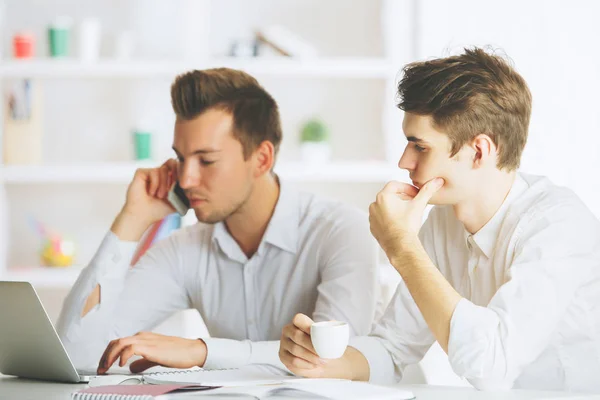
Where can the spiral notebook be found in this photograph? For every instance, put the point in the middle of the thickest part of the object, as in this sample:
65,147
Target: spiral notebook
325,389
134,392
256,381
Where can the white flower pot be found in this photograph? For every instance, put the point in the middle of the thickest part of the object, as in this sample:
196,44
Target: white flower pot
315,152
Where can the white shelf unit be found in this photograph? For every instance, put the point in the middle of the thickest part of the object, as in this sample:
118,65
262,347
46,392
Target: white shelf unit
348,68
349,172
379,68
65,277
43,277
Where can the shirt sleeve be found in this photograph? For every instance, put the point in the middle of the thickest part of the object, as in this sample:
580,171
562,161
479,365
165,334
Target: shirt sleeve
554,257
400,338
131,299
229,353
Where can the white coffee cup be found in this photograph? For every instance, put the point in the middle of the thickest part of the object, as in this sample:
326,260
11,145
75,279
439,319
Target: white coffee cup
330,338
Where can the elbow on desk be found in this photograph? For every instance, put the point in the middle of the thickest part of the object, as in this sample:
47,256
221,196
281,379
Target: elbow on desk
484,364
486,378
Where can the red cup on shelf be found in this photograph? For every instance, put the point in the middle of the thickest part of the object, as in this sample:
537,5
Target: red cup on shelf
23,45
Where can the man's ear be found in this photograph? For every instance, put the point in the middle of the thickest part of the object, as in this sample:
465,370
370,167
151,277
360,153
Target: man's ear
264,158
484,150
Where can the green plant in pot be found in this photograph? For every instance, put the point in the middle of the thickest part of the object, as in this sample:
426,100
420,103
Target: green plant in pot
314,139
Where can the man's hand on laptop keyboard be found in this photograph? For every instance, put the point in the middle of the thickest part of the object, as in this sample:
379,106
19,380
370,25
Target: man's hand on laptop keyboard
155,349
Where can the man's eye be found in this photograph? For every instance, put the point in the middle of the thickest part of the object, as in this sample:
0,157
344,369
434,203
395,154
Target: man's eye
206,162
419,148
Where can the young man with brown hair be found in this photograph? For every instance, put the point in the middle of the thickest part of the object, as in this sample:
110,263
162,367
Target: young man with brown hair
505,272
264,253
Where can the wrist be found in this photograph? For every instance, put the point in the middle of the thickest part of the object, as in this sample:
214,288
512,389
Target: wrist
407,246
128,226
353,366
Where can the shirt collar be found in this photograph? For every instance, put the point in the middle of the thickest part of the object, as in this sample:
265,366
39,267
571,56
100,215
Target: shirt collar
282,230
227,243
487,236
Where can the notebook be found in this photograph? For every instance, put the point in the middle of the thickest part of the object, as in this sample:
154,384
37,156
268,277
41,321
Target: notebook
256,381
133,392
324,389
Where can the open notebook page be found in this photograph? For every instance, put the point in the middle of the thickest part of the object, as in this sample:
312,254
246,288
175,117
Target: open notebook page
310,388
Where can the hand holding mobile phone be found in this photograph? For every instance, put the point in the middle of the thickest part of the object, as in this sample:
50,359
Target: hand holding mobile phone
178,199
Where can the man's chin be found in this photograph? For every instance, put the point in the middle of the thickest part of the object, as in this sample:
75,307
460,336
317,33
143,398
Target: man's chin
210,219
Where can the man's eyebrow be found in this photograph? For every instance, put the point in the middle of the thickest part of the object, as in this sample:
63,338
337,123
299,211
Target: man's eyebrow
415,139
200,151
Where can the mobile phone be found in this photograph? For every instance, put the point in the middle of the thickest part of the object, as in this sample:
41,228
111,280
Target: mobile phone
178,199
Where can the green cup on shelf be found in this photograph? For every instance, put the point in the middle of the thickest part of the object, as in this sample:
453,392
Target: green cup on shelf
59,33
142,145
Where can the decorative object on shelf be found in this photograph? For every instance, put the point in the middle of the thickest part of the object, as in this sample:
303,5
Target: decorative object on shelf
23,45
286,42
315,147
142,145
244,48
22,123
59,33
89,39
56,251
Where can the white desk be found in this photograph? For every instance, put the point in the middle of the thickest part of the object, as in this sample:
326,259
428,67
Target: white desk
24,389
429,392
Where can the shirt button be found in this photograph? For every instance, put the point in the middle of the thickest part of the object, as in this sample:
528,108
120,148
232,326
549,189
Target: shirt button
470,242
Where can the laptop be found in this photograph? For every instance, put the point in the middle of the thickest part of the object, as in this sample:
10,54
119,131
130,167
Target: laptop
29,344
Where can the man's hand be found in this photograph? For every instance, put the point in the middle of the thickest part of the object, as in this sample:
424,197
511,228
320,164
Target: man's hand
395,220
397,213
296,351
167,351
146,201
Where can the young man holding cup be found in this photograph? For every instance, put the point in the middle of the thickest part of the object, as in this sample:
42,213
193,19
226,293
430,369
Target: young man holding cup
264,252
505,272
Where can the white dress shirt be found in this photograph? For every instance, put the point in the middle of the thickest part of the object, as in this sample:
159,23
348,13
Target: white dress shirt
316,257
530,281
